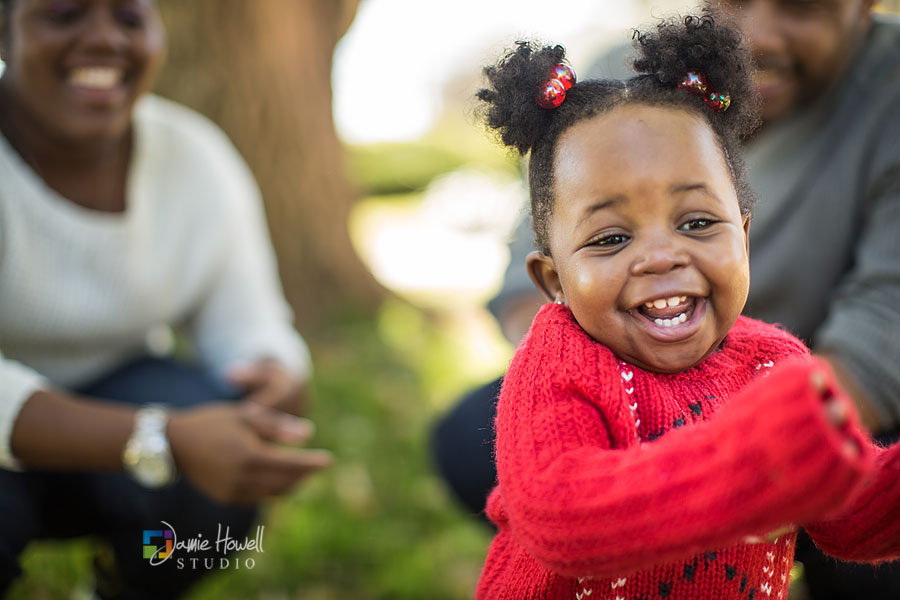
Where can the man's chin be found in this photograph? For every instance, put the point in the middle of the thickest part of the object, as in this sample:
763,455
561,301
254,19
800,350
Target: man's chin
775,107
778,98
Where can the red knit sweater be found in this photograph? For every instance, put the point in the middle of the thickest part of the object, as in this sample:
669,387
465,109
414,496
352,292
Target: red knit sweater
622,484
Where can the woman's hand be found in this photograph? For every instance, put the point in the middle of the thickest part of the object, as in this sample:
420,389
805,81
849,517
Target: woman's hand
234,452
267,383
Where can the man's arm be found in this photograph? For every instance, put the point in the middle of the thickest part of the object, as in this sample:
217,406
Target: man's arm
860,335
868,413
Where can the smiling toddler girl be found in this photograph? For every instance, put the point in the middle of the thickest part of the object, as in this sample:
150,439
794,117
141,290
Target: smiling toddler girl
651,442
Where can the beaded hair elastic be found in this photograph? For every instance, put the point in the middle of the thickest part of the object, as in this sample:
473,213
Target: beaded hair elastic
695,83
551,92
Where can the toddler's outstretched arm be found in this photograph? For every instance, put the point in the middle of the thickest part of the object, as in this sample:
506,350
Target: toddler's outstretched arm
868,530
769,458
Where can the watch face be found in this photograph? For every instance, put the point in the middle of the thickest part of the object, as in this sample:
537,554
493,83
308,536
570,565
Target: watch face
153,470
149,461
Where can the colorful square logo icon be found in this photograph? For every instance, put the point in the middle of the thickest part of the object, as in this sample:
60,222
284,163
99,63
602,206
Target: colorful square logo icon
152,549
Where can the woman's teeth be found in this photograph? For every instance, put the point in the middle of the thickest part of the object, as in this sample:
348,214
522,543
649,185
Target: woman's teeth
676,320
665,302
95,78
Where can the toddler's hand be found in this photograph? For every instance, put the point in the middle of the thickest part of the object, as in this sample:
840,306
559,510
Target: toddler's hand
837,409
839,413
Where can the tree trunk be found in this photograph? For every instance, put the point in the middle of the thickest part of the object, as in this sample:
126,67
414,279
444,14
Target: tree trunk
261,69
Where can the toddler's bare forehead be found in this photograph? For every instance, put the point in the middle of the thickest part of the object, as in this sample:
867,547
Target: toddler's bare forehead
634,146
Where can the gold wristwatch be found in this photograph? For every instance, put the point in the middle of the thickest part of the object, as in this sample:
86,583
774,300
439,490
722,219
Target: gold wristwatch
147,456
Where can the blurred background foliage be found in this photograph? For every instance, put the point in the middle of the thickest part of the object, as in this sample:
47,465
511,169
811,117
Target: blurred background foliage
393,351
396,168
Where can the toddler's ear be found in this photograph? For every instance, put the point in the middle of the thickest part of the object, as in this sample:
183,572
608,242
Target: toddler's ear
544,276
747,219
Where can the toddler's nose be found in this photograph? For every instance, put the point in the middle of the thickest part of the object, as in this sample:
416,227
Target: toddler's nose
657,257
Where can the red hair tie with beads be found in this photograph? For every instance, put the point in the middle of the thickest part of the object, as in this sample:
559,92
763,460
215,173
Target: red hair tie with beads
551,92
695,83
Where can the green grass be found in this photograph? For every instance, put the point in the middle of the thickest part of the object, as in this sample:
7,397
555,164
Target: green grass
379,524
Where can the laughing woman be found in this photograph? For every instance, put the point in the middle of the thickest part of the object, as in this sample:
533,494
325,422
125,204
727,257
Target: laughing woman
122,215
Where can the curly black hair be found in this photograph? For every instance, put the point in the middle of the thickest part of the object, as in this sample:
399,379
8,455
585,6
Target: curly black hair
666,53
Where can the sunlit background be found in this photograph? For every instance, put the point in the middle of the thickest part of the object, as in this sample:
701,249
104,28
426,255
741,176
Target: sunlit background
420,48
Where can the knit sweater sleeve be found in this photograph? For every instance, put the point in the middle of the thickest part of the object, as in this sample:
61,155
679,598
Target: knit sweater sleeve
17,384
242,315
583,506
868,530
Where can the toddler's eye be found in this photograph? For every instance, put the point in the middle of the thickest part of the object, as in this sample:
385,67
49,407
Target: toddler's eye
696,224
607,241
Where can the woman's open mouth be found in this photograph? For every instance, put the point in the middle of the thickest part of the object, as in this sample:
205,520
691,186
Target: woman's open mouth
96,77
97,85
672,318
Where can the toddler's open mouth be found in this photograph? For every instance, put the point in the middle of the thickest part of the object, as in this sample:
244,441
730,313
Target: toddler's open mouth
671,318
669,312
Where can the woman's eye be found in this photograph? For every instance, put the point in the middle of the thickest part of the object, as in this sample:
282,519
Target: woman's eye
63,13
696,224
131,17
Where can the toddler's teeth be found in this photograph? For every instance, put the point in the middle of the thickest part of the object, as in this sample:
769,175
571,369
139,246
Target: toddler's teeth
673,301
676,320
683,298
648,304
660,303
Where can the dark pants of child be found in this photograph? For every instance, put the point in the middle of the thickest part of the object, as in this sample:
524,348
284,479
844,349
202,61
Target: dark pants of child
463,449
117,510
